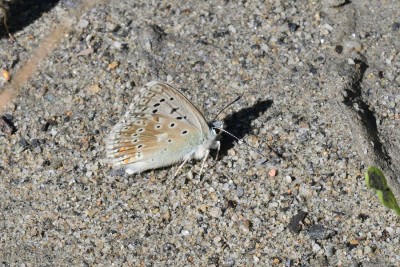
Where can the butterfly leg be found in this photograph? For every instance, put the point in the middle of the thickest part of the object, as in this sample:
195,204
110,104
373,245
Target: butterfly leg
218,144
183,163
204,161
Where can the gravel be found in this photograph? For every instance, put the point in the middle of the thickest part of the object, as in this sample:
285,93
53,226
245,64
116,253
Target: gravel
320,84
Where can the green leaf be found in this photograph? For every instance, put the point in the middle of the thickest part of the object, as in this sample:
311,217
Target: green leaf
376,180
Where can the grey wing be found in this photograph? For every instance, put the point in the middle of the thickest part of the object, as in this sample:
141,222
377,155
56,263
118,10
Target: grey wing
149,142
161,98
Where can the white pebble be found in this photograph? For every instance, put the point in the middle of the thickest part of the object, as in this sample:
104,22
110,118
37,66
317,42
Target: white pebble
215,212
316,247
83,23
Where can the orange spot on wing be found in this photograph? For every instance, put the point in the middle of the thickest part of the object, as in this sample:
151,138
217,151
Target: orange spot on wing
6,75
122,149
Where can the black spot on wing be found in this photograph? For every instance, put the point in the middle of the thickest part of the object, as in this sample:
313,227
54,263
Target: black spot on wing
174,110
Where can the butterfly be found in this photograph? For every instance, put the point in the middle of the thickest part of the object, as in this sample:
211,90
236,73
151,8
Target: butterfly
161,128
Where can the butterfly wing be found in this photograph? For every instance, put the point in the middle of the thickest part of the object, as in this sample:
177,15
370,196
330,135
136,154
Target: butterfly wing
161,127
161,98
151,141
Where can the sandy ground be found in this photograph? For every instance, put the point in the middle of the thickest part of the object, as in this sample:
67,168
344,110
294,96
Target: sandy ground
321,102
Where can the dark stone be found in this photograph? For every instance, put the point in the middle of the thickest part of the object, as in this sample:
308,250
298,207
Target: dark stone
220,34
8,117
396,26
22,142
6,125
362,217
319,232
232,203
313,70
293,27
47,124
351,246
294,224
339,49
35,142
45,127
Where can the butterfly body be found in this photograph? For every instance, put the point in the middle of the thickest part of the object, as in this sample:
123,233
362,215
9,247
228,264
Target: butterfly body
162,127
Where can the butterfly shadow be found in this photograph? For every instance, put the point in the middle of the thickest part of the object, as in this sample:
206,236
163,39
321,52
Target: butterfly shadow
239,124
19,14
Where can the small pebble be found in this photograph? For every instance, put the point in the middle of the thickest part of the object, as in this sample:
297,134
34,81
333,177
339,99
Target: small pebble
83,23
295,222
215,212
318,232
329,250
316,248
272,172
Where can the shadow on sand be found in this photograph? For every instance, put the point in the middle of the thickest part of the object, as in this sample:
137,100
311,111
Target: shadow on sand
239,123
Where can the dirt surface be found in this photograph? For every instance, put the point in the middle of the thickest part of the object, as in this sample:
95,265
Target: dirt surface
321,103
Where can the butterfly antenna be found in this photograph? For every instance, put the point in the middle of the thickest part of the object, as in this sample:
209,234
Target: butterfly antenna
239,140
227,106
251,147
